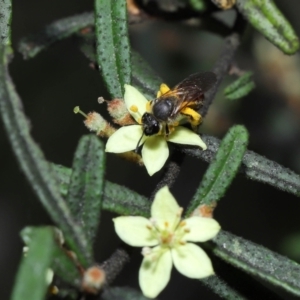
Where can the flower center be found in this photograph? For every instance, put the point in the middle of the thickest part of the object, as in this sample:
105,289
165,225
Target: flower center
172,238
166,237
170,235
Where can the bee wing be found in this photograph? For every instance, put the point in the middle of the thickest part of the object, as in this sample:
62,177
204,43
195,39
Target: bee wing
188,98
190,91
202,81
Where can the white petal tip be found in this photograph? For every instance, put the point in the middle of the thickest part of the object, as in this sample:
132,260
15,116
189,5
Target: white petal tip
152,172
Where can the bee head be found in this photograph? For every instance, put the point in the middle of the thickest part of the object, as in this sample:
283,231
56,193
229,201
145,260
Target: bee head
151,125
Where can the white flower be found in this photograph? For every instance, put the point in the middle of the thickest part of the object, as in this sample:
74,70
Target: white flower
168,235
155,150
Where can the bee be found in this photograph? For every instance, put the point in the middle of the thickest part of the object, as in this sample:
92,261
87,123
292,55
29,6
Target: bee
172,106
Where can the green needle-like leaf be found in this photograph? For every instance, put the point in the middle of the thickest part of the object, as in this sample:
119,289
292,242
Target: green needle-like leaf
86,186
63,178
113,49
116,198
34,165
254,166
143,76
258,261
31,282
222,169
240,87
268,19
33,44
124,201
62,265
5,21
124,293
198,5
218,286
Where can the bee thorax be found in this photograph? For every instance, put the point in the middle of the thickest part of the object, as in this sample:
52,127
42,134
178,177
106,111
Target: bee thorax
162,110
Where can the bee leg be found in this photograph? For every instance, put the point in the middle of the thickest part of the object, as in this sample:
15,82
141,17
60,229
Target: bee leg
195,118
162,89
167,131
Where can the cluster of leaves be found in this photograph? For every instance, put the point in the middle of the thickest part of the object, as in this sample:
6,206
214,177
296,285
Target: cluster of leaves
75,197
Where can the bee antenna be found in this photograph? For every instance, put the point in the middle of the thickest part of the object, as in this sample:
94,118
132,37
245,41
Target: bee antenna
138,144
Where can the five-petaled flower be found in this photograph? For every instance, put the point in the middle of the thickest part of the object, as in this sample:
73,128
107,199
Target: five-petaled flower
168,234
155,150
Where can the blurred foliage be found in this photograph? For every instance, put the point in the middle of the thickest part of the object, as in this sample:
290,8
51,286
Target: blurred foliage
75,197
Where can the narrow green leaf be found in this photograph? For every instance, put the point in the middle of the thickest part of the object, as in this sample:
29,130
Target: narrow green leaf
240,87
258,261
87,46
268,19
33,44
116,198
124,201
265,170
31,282
65,268
222,169
5,21
143,76
62,265
124,293
34,165
86,186
198,5
63,177
254,166
221,288
113,49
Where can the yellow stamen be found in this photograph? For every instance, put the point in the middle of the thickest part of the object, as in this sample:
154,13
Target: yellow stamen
182,223
182,243
134,108
166,224
187,230
163,88
149,227
77,110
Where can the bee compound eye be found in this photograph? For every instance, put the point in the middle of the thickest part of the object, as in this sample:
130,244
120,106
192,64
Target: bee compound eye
155,128
150,124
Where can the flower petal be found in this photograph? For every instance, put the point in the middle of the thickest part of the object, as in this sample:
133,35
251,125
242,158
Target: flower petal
124,139
155,152
133,97
135,231
201,229
191,261
182,135
155,272
165,211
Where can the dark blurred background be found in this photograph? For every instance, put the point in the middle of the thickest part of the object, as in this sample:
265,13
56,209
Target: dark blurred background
60,78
